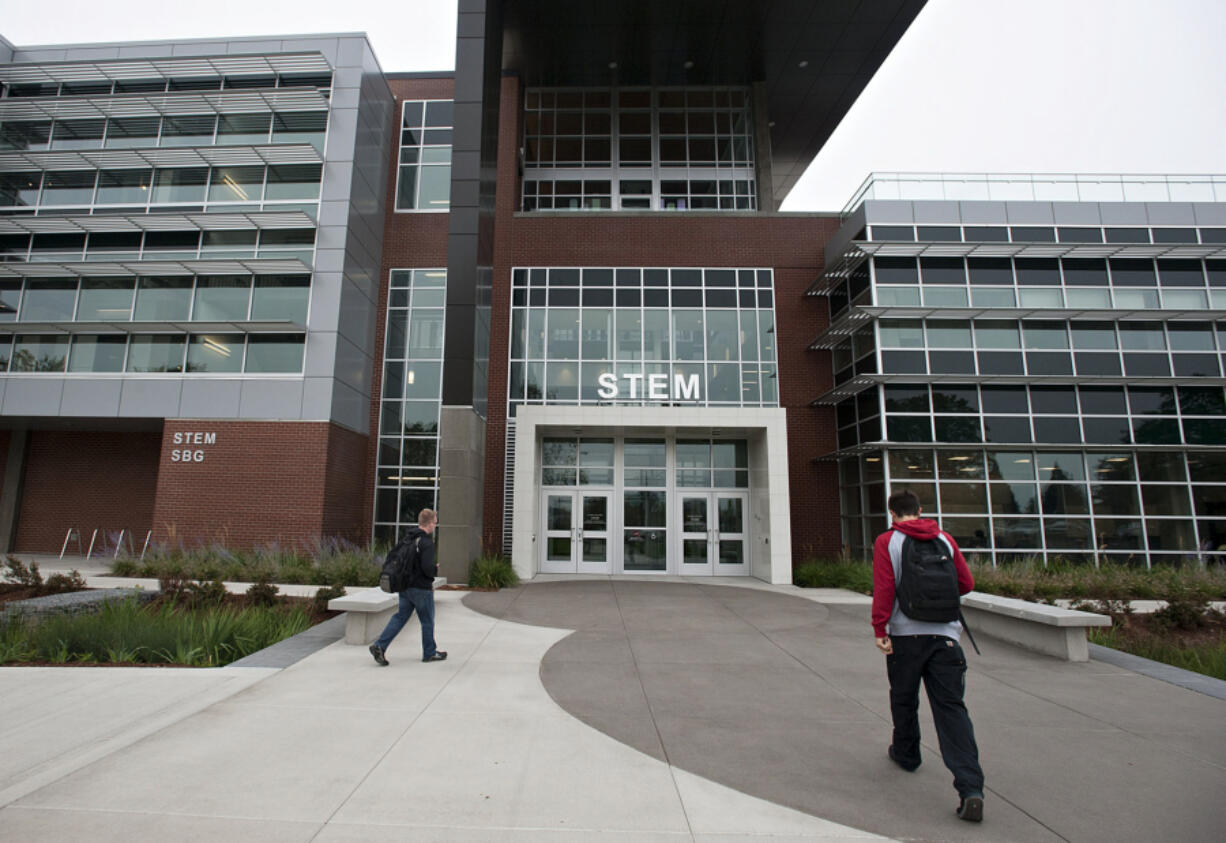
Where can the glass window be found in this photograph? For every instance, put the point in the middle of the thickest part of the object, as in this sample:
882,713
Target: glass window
188,130
39,353
960,465
221,298
1060,467
1093,334
155,353
293,181
243,129
78,134
69,187
997,334
948,333
124,187
105,299
162,299
278,297
216,353
688,334
97,353
901,333
49,299
275,353
178,186
300,127
1010,465
237,184
1045,334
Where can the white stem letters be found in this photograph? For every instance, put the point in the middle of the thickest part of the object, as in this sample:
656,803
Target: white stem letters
653,387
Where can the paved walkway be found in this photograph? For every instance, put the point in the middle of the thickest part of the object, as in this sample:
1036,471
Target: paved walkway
676,711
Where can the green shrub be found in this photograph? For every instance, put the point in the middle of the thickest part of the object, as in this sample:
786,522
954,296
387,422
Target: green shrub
262,593
1208,658
126,568
320,601
491,571
62,583
19,573
851,574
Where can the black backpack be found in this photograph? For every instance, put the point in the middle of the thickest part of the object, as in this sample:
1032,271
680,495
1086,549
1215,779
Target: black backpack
398,566
927,587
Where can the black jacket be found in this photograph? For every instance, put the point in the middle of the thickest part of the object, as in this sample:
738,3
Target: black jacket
424,570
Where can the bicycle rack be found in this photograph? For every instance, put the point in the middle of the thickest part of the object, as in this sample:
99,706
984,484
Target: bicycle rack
72,531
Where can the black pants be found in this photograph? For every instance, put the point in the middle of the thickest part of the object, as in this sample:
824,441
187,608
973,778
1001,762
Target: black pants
939,661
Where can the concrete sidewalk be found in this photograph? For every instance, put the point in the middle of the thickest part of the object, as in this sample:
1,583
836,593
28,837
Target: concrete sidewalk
599,708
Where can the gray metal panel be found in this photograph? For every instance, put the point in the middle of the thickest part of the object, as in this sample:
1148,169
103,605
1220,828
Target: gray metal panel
338,176
317,398
345,97
350,408
91,397
888,211
321,354
1171,213
984,212
343,125
351,51
1076,213
352,366
1210,213
1122,213
271,399
151,398
1029,212
327,46
212,48
333,213
330,237
325,302
937,211
329,260
37,396
41,55
254,46
210,399
161,49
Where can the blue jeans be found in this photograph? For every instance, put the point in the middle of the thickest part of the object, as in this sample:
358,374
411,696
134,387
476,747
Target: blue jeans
421,599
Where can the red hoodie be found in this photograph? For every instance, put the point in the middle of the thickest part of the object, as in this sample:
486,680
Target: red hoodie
883,569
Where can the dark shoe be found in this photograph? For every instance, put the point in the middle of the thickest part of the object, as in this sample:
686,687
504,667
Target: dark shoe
437,657
910,768
377,652
971,808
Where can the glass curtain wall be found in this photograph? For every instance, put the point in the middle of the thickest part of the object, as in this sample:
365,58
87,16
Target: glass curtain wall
407,471
1040,406
638,148
575,331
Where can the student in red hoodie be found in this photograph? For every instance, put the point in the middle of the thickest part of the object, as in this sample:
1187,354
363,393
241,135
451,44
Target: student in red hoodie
916,650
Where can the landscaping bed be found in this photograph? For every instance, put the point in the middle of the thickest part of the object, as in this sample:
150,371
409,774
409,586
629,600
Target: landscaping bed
187,624
1184,633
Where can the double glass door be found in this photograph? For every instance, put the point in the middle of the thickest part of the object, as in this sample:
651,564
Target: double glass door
577,532
714,537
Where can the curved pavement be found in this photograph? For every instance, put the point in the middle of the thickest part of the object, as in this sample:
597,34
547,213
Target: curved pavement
780,697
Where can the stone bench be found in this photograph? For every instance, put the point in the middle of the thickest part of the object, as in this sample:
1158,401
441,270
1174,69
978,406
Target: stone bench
367,611
1051,630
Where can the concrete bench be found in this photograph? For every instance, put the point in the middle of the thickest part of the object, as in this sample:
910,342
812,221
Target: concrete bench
1035,626
367,611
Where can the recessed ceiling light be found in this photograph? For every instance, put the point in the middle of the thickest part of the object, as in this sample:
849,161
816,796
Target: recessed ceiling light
612,65
803,64
688,65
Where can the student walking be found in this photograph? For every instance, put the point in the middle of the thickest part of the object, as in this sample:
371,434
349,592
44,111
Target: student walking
918,575
419,594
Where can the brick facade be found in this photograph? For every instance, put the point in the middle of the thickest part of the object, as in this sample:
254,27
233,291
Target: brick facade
258,482
87,480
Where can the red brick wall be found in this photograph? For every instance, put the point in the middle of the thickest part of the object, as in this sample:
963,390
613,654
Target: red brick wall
410,241
85,479
258,482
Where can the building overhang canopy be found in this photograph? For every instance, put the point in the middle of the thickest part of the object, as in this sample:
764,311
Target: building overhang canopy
813,57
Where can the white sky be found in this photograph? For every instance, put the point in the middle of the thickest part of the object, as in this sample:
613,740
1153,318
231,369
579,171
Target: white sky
1042,86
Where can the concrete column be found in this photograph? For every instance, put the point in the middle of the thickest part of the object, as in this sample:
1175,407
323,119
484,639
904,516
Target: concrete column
461,492
10,496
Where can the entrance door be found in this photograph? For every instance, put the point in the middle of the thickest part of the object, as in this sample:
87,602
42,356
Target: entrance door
714,538
577,532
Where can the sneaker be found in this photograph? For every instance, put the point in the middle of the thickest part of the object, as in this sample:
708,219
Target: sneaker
377,652
437,657
971,808
910,768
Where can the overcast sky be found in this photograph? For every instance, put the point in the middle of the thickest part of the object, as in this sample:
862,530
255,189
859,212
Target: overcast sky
1051,86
